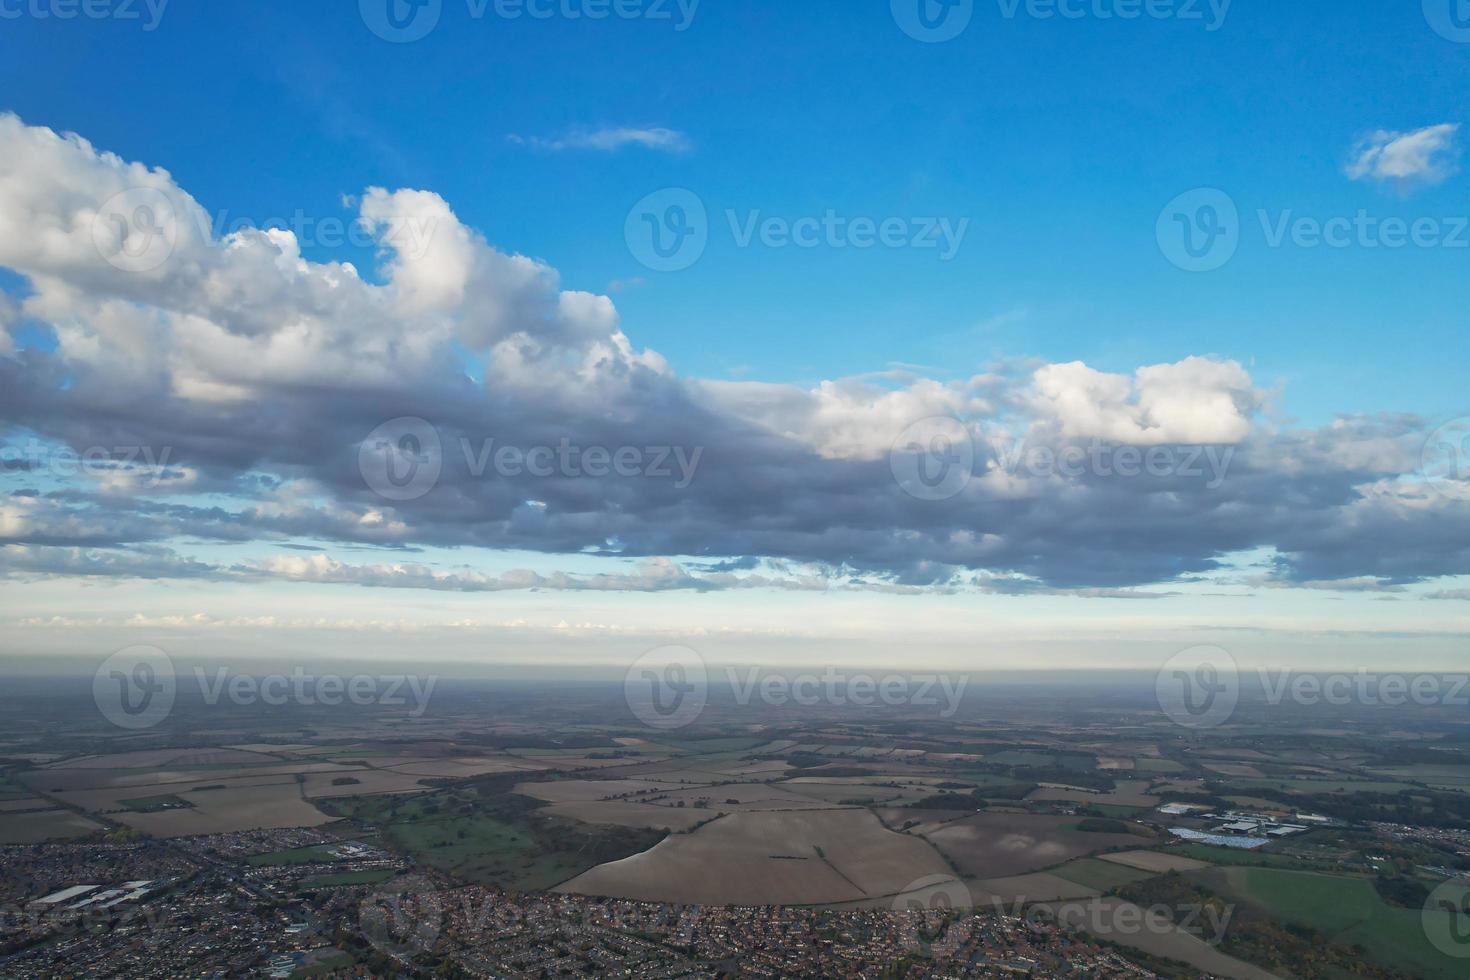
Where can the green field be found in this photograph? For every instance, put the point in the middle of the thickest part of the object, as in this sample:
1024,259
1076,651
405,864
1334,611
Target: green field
348,878
153,804
1230,856
1102,875
495,838
1317,786
315,854
1348,910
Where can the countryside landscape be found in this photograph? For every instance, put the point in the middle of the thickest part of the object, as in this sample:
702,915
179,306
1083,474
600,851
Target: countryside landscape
1268,846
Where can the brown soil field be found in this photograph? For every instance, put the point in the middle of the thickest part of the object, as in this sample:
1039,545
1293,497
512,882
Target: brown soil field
370,782
460,768
791,858
53,780
1155,861
1000,845
1038,887
226,810
157,758
1128,793
747,796
928,820
109,799
1169,943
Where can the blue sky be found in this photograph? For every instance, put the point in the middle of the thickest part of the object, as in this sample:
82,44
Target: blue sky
1057,142
1059,139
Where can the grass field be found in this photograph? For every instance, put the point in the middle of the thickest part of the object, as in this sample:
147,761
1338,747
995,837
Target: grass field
315,854
1233,857
499,839
1102,875
1348,910
348,878
153,804
1319,786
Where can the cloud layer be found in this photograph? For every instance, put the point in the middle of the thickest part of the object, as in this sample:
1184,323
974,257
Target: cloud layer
258,376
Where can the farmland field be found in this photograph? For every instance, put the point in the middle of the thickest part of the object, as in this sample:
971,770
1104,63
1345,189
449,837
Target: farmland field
796,858
43,825
1157,862
1101,875
990,845
1347,910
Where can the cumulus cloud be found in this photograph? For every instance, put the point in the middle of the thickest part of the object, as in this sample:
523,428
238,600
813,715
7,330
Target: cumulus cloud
265,376
1419,158
1197,400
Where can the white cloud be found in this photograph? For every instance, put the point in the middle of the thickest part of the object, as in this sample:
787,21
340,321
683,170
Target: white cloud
610,139
1420,158
1197,401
